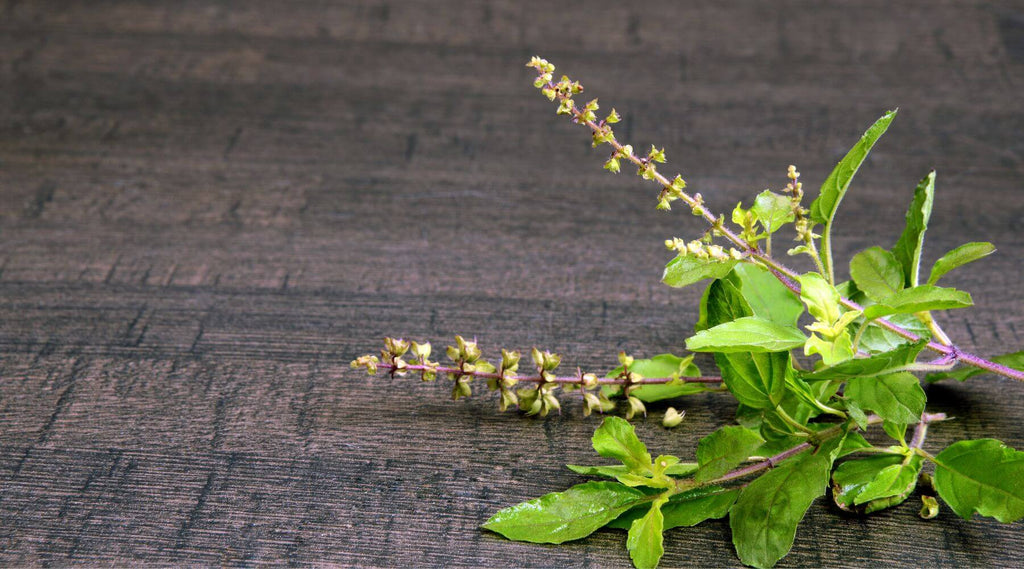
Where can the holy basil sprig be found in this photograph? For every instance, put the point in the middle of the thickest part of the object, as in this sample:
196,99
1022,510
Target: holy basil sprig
812,362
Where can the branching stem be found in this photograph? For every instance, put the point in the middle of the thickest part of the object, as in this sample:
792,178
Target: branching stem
786,275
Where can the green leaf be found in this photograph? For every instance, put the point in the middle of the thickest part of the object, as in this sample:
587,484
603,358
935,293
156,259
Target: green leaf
686,509
688,269
662,365
908,247
723,450
896,480
678,470
565,516
1014,360
765,517
645,540
853,442
756,380
748,334
919,299
966,253
874,483
823,209
772,210
877,339
821,298
983,476
896,430
896,397
721,302
765,295
877,273
870,366
616,438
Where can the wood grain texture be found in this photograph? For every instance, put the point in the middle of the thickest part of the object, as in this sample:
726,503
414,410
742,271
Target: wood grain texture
207,209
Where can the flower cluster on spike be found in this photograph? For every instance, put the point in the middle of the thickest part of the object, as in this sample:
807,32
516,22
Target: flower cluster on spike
702,250
602,133
539,398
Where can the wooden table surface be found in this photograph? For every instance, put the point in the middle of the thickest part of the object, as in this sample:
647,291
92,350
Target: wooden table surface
207,209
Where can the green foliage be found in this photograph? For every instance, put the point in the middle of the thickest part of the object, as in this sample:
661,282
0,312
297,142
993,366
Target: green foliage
686,509
765,517
919,299
748,334
874,483
564,516
686,270
796,417
908,248
877,273
962,255
662,366
893,360
616,438
645,541
896,397
983,476
723,450
772,211
823,209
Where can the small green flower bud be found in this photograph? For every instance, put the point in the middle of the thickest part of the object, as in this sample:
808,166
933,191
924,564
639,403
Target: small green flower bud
538,357
367,361
635,407
672,417
396,347
509,360
929,507
471,352
590,402
421,351
551,403
613,117
612,165
925,482
695,247
656,155
549,93
453,353
627,151
507,399
678,183
589,381
625,360
670,244
735,253
461,389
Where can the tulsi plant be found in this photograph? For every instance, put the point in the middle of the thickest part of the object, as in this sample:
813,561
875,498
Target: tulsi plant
799,424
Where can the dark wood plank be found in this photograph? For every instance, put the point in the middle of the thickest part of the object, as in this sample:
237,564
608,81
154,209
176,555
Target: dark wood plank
208,208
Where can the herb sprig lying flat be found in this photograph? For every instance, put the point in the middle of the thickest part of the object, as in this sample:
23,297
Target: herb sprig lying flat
799,424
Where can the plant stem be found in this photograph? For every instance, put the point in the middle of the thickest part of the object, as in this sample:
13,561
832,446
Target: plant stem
822,436
538,379
780,270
